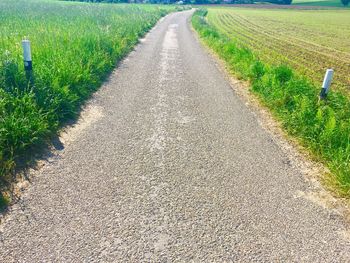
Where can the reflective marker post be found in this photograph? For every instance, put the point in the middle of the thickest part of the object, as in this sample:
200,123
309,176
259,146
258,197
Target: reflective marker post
27,59
27,55
326,83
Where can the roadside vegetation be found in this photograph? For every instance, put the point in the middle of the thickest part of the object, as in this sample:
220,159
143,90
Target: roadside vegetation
74,47
290,92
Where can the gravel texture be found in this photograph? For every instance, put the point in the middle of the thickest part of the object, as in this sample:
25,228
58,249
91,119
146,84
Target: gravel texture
168,164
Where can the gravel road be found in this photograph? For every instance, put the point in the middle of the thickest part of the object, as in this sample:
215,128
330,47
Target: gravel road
168,164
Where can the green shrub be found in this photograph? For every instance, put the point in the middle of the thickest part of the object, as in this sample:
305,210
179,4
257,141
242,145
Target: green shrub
283,74
258,70
345,2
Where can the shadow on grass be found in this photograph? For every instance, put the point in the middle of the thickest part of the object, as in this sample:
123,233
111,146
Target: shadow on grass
3,203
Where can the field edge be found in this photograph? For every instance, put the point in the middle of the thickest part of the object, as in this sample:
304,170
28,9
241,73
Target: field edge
251,73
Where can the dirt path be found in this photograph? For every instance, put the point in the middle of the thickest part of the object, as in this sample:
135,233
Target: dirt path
169,164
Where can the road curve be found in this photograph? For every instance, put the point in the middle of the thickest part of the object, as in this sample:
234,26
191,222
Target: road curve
169,164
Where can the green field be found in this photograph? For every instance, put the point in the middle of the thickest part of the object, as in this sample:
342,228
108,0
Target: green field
331,3
74,47
284,55
299,38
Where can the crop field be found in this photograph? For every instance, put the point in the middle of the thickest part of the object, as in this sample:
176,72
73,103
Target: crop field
74,47
310,41
284,54
330,3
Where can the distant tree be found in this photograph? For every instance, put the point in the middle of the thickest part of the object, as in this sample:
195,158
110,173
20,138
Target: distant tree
345,2
200,2
243,2
281,2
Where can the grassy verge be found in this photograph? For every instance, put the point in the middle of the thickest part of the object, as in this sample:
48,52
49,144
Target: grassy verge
74,47
323,128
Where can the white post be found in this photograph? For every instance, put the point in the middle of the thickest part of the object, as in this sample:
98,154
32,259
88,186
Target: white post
326,83
27,55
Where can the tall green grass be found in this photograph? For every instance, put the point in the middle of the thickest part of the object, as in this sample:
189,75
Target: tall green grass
324,128
74,47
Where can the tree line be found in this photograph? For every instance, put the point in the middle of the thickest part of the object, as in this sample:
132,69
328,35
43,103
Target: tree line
199,2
